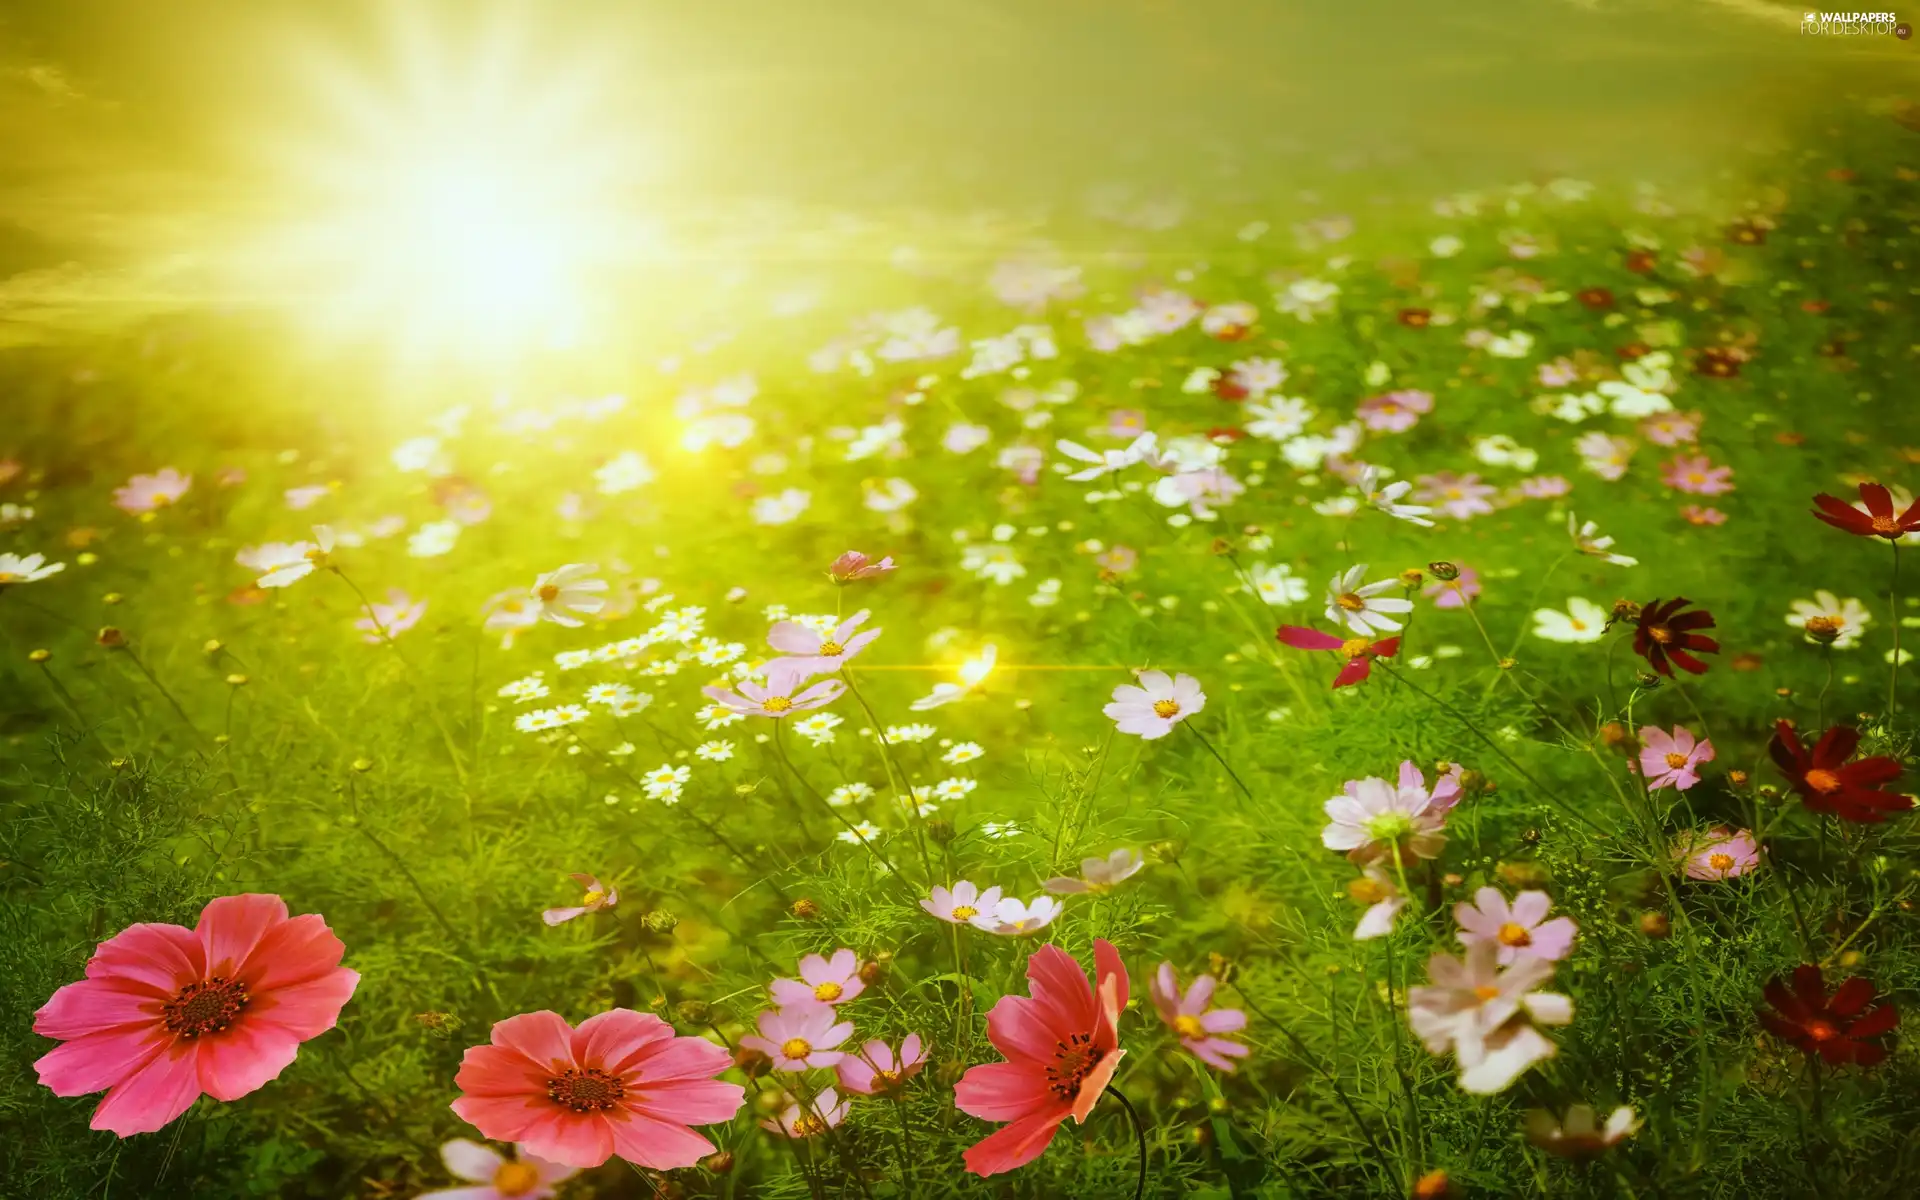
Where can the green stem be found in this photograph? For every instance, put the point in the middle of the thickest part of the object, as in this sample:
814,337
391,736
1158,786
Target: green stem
780,749
1140,1136
1244,790
896,779
1893,602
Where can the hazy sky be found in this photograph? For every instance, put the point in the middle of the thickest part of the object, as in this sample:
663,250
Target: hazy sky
146,139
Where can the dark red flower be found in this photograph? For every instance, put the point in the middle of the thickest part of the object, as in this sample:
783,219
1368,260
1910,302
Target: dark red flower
1878,521
1358,652
1596,297
1828,783
1641,262
1229,388
1834,1027
1415,318
1666,636
1719,362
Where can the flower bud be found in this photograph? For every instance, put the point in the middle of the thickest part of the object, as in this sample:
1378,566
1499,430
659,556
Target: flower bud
1434,1185
1824,630
1444,571
693,1012
660,921
805,909
1737,778
875,969
753,1064
1522,874
237,680
1412,577
1655,924
720,1162
363,765
111,638
39,656
1624,610
1168,850
939,831
1221,547
213,646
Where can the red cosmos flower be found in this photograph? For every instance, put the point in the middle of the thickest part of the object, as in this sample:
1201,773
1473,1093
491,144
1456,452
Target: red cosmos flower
1230,389
1828,783
1358,652
1665,636
1061,1047
1878,521
1834,1027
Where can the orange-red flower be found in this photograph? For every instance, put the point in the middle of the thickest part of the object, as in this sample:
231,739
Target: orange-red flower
1835,1027
1666,636
1829,783
1879,519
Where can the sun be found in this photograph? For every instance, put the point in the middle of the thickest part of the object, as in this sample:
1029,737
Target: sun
468,208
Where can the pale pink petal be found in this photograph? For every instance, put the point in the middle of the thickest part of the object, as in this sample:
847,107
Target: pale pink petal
791,637
1530,907
560,916
470,1160
1554,939
1223,1020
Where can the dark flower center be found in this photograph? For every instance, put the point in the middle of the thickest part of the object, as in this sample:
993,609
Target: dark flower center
1073,1060
591,1090
207,1006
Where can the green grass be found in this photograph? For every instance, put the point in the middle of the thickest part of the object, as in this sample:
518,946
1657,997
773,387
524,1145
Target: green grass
386,787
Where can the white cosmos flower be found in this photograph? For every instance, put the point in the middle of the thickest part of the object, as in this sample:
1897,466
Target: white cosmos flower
1850,615
1486,1015
1277,584
1144,448
1386,497
1584,621
1013,918
1277,418
281,564
29,568
1586,541
567,591
1363,607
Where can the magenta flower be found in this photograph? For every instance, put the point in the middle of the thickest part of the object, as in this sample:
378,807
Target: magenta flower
1558,373
1672,759
1697,475
822,980
167,1013
494,1176
1520,930
1457,496
1721,853
1394,412
1454,594
776,697
809,653
1672,428
854,565
597,897
385,621
1544,487
148,493
1696,515
1198,1026
877,1069
800,1036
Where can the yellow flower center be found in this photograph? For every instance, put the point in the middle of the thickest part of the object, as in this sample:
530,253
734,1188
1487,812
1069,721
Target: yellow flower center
1660,633
807,1125
1514,934
1367,890
831,649
315,554
1486,992
1821,780
1720,861
7,577
776,704
548,593
1351,601
965,912
1189,1027
1166,708
828,991
1886,526
1354,647
593,897
796,1048
516,1179
1676,761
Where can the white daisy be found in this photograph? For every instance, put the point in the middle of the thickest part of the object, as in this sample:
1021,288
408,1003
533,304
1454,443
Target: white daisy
1848,616
1584,621
1362,607
569,591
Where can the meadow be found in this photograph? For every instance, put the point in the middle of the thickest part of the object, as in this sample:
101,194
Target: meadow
920,697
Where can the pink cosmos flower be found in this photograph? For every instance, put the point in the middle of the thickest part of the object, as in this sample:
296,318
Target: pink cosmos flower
1544,487
1013,917
854,565
1375,819
1454,594
1099,874
1696,515
1156,706
1394,412
496,1176
964,905
876,1068
1672,759
1720,853
1120,560
1517,929
621,1083
1697,475
1605,456
167,1013
776,697
1458,496
1486,1015
1201,491
306,497
597,897
797,1121
1558,373
1672,428
384,621
1062,1046
799,1036
148,493
822,980
1189,1016
808,653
